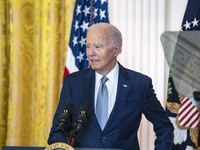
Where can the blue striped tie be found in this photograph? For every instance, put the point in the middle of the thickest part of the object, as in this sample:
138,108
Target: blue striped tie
102,103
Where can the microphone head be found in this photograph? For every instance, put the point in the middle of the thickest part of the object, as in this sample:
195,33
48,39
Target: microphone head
67,110
85,108
68,107
65,116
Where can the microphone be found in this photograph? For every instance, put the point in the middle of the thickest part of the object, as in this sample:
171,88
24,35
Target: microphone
79,123
64,122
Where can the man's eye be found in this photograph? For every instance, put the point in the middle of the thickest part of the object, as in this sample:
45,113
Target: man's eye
88,46
97,46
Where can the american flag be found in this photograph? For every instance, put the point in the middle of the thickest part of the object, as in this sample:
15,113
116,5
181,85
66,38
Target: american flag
182,112
188,114
86,13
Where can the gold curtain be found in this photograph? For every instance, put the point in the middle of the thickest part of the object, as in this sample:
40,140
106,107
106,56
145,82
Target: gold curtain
34,38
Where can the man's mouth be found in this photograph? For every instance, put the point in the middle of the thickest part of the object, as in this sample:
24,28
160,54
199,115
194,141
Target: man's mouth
94,60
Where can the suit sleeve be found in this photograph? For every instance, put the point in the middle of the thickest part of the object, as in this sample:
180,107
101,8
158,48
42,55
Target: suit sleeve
155,113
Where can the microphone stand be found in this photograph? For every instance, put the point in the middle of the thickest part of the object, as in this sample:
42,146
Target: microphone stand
76,130
79,123
72,136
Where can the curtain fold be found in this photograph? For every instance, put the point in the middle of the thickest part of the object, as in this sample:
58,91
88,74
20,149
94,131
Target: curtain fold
33,40
4,66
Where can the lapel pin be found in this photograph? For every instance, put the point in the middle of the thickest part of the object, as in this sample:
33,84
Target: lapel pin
124,85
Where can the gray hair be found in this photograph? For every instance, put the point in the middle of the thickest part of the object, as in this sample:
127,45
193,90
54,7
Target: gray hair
114,33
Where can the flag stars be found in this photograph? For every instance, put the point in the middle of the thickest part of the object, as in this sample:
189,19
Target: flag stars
80,56
82,41
78,10
102,14
84,26
76,25
95,13
195,22
187,25
75,40
85,14
86,10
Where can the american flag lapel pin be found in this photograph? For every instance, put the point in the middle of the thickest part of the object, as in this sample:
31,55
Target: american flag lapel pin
124,85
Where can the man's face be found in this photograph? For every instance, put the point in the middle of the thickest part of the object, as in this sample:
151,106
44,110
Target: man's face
101,51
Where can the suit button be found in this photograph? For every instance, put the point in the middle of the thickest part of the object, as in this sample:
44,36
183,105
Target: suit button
102,137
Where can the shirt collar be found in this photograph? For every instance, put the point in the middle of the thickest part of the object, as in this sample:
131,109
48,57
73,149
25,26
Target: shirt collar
112,75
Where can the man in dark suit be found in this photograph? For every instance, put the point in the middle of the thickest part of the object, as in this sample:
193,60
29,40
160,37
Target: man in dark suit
129,94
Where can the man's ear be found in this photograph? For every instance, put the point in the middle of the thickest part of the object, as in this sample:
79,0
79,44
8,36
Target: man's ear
117,49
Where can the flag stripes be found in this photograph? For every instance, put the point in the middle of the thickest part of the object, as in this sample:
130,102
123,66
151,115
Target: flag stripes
188,114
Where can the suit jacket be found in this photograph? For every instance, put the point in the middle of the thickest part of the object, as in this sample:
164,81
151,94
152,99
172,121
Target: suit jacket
135,96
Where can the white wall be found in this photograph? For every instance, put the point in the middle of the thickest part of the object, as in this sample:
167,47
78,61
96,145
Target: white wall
128,15
142,22
175,10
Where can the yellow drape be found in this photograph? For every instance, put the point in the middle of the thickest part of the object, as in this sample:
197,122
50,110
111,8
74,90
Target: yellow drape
34,38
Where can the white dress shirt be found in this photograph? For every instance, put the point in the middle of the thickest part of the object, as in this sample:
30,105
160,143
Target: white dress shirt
111,85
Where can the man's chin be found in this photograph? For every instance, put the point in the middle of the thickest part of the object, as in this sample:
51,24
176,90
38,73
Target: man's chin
93,67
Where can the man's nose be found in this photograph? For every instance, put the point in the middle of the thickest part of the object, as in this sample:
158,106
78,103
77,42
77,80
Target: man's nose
92,50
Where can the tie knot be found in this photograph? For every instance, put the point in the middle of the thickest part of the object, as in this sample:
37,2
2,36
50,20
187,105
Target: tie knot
104,79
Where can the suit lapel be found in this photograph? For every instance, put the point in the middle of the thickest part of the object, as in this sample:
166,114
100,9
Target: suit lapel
89,89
